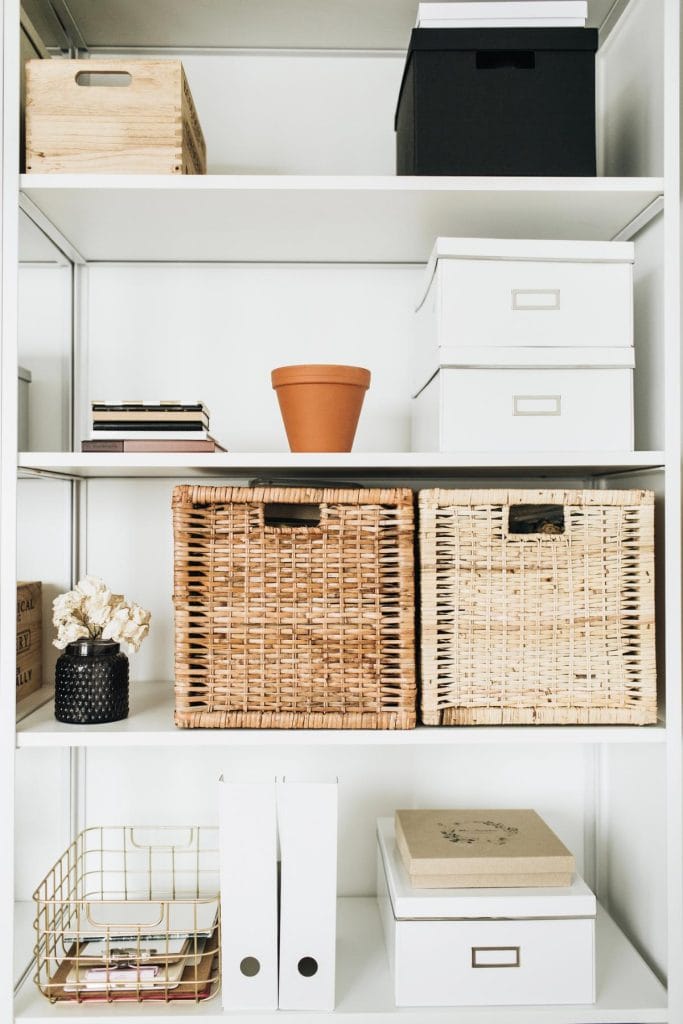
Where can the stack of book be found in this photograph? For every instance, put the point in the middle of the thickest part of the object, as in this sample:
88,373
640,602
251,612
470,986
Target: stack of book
150,426
508,14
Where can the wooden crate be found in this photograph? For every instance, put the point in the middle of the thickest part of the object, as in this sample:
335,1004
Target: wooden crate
294,608
149,126
29,639
537,607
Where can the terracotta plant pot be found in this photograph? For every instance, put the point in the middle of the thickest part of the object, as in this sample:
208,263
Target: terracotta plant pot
320,405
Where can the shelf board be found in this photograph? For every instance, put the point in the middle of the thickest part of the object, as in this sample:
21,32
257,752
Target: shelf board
417,465
323,218
150,724
233,24
627,989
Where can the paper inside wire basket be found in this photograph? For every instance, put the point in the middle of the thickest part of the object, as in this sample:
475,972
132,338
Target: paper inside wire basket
125,922
198,976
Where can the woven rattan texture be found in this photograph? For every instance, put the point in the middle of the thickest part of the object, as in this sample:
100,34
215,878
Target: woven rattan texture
304,626
546,628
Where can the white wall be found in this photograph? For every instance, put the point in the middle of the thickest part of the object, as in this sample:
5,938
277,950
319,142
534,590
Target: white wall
305,114
215,332
179,787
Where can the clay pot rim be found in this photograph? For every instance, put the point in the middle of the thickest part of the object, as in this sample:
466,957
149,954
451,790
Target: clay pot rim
321,373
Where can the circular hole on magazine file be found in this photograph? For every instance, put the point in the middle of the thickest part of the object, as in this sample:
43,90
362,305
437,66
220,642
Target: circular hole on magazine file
250,966
308,966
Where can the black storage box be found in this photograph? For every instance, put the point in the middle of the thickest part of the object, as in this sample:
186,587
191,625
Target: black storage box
498,101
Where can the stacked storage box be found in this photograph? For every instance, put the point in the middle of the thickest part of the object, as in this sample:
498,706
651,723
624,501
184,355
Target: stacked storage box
525,346
498,89
497,943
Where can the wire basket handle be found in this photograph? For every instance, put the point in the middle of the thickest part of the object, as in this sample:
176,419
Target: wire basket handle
161,838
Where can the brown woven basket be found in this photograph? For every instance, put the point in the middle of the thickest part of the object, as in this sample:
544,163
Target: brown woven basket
551,625
294,608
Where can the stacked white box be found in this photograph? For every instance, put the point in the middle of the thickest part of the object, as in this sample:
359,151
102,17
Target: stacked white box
484,947
525,346
509,14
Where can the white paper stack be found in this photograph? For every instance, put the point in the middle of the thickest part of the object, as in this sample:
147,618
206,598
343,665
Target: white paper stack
503,14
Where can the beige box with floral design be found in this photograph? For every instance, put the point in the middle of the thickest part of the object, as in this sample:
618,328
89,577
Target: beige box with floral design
470,849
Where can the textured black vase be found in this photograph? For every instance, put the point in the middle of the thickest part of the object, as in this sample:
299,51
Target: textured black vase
91,683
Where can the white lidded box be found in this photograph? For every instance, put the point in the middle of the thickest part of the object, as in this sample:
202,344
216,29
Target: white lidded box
524,345
540,408
508,14
484,947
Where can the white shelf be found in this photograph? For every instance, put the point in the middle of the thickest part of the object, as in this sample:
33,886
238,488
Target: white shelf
150,724
627,990
324,218
245,464
299,24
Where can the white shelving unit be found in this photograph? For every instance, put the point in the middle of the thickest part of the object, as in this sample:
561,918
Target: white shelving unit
301,245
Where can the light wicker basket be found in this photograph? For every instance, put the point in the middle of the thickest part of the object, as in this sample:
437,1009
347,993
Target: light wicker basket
550,627
128,897
294,608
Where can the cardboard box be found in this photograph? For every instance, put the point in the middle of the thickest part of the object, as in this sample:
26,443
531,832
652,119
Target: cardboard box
29,639
481,849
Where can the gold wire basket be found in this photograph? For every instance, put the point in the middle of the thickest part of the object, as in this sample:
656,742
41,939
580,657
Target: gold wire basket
131,914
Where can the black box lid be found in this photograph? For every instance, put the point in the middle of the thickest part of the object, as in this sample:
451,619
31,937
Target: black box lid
439,39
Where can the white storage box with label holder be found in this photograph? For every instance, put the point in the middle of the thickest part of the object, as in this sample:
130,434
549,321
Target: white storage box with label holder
524,345
527,400
517,293
484,947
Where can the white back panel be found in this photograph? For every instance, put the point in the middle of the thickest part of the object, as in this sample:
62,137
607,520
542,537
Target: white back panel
129,789
44,549
216,331
41,817
635,852
648,288
303,114
630,86
45,349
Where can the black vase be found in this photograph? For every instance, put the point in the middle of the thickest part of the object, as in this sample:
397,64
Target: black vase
91,683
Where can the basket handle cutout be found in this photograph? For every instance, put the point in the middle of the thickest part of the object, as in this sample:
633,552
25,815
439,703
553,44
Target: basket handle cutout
108,79
493,60
162,838
537,519
155,919
280,514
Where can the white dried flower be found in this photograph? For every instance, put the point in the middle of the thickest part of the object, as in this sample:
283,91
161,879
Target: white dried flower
69,632
97,610
66,606
91,611
91,585
129,623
